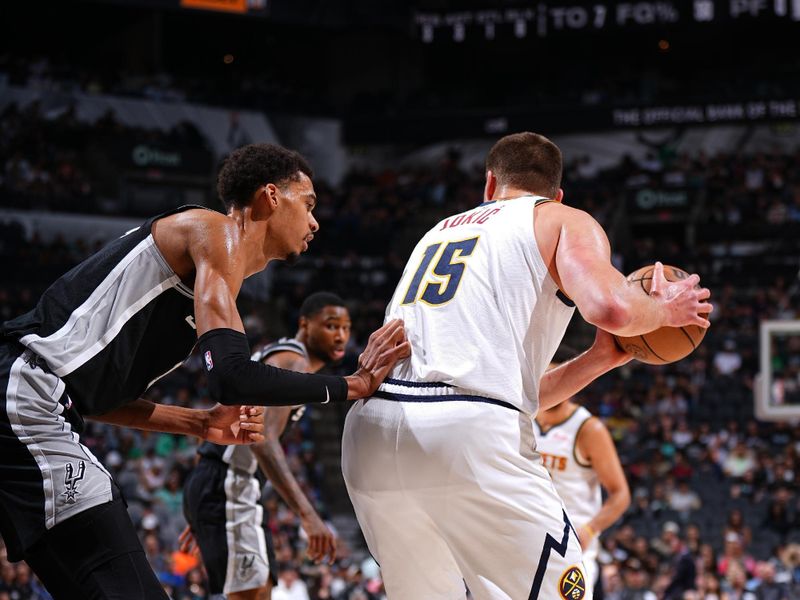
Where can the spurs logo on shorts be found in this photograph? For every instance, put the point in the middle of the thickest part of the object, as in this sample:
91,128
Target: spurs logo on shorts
71,481
572,585
247,564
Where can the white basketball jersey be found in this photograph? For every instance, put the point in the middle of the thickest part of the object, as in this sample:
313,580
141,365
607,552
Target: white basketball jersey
480,309
575,480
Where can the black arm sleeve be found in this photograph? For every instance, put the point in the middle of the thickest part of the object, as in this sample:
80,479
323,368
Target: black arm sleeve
235,379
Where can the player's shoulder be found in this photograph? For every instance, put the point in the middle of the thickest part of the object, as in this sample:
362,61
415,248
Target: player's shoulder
285,345
203,218
558,211
592,426
286,353
208,232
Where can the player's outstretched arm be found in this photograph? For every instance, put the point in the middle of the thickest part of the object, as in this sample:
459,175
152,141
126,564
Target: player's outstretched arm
272,460
595,443
232,377
602,294
220,424
569,378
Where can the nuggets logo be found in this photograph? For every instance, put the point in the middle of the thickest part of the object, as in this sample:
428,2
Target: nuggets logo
572,585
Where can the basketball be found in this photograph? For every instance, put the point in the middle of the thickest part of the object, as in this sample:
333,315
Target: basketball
667,344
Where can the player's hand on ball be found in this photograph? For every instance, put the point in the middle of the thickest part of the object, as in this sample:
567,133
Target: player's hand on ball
235,424
386,346
686,302
607,352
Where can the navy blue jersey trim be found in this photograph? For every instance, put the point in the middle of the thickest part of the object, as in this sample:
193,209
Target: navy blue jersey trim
565,299
417,384
550,543
438,398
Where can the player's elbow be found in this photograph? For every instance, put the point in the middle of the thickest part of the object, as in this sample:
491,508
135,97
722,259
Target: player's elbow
223,387
619,496
608,314
624,495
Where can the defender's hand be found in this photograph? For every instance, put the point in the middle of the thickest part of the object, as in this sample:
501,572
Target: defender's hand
685,301
235,424
321,541
386,346
187,544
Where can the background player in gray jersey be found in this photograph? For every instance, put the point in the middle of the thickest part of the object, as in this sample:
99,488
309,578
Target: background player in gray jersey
321,338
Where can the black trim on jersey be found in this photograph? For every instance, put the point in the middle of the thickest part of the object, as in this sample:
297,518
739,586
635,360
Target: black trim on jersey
565,299
149,330
73,288
575,444
417,384
155,340
235,379
450,398
550,543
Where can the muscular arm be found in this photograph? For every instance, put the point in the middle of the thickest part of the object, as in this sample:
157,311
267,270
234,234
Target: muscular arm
221,425
272,460
595,443
217,254
601,293
569,378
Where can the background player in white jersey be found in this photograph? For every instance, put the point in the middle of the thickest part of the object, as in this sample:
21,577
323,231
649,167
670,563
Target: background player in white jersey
439,462
222,495
578,451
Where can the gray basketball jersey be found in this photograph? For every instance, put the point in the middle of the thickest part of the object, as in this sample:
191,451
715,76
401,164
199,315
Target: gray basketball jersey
114,324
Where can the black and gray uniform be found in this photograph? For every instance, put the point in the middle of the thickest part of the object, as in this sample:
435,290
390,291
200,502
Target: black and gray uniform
222,504
97,339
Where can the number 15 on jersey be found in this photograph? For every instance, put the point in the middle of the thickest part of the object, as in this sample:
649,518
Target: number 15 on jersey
442,281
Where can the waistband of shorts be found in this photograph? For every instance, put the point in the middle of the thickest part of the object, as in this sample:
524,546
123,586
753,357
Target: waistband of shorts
399,390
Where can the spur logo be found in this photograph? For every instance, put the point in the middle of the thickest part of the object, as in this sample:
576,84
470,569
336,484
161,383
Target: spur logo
72,477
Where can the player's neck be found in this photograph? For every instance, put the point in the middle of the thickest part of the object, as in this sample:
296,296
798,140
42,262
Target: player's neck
509,192
252,233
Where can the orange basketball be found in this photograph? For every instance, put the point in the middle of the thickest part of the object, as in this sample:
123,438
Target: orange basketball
667,344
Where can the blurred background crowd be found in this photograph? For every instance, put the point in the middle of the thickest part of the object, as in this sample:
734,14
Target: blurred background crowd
715,511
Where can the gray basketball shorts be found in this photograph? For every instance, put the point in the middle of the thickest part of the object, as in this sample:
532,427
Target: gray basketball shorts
47,475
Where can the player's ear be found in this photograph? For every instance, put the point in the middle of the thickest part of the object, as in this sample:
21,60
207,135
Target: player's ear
559,196
490,188
271,195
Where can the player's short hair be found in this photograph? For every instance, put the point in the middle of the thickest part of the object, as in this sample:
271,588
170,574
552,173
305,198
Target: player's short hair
251,166
527,161
317,301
